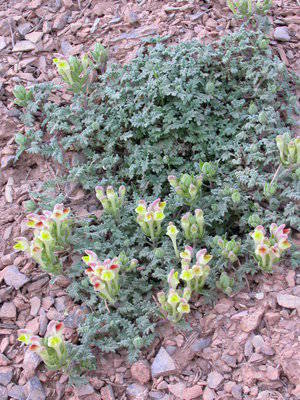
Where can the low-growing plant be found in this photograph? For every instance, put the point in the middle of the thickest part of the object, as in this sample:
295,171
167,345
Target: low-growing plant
225,283
289,150
150,217
268,250
172,232
111,201
51,233
188,187
175,304
248,8
52,348
193,226
229,249
22,96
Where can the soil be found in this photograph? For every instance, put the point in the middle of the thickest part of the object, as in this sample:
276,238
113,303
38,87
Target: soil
247,346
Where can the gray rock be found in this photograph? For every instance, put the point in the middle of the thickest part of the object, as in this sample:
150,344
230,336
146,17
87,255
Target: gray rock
171,350
281,33
214,379
17,392
84,390
163,364
3,393
201,344
8,310
288,300
229,360
6,161
13,277
156,395
25,28
43,322
35,303
35,390
31,362
23,45
2,43
136,391
237,392
6,374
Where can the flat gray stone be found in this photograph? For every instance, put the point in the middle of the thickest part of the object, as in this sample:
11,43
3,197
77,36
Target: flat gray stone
17,392
23,45
35,390
201,344
163,364
13,277
31,362
288,300
6,374
281,33
214,379
136,391
3,393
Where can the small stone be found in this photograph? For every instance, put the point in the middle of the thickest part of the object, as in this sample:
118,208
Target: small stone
30,363
258,343
154,395
17,392
281,33
140,371
208,394
35,303
272,318
107,393
84,390
33,325
223,306
13,277
214,379
2,43
288,300
4,361
35,390
272,373
229,360
236,392
290,278
6,160
171,349
136,391
102,8
23,45
6,374
60,22
193,392
251,321
34,37
25,28
177,389
66,48
163,364
201,344
3,393
8,310
211,23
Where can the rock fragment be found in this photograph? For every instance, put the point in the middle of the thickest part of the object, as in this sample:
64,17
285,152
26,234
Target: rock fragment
288,300
214,379
136,391
23,45
281,33
140,371
163,364
13,277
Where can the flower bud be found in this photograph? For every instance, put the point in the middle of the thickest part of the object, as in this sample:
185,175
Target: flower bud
236,197
192,191
172,180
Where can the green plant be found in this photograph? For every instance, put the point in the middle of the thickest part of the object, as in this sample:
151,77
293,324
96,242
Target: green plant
150,217
51,233
268,250
99,55
188,187
111,201
175,304
22,96
172,232
51,348
193,226
289,150
225,283
247,8
230,249
160,115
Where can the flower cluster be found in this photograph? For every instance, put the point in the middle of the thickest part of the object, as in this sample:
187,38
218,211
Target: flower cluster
51,348
289,150
194,276
51,231
104,276
100,55
193,225
150,217
269,249
75,72
110,200
188,187
230,249
175,304
225,283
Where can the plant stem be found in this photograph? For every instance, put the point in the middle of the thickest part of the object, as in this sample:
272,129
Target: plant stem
276,174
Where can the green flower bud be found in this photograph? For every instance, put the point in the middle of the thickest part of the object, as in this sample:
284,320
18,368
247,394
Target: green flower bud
209,87
262,117
254,220
236,197
252,108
